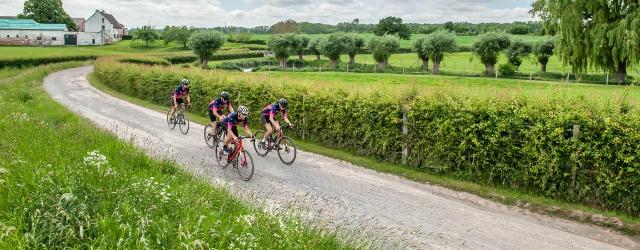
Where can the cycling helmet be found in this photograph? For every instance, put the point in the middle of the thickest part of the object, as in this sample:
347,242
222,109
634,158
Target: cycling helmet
283,102
184,82
224,95
243,110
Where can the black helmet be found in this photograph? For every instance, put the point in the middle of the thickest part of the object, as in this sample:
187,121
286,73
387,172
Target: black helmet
283,102
184,82
224,95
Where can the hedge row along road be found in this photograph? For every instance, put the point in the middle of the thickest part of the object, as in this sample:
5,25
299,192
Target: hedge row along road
391,210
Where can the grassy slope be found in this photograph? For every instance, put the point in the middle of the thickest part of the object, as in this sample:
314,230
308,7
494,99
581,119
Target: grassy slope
55,194
533,202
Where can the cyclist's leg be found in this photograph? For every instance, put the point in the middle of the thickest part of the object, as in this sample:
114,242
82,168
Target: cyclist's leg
173,107
267,125
214,124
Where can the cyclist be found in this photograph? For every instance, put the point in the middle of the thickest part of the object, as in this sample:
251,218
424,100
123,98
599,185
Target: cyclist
267,117
177,95
215,109
231,121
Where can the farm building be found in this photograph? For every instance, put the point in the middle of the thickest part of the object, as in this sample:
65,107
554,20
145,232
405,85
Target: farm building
28,32
101,21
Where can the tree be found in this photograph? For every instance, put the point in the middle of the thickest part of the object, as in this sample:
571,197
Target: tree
179,35
146,34
301,43
436,45
543,50
392,26
382,47
519,29
488,46
601,34
47,11
517,51
315,46
335,45
284,27
205,44
358,44
420,47
282,47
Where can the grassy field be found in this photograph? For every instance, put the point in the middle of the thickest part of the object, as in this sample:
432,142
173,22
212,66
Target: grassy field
67,184
460,40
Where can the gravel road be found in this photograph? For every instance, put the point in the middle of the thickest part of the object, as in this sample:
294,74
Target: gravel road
390,211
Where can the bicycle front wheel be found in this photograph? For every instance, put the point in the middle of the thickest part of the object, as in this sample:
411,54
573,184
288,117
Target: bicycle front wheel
183,123
171,120
261,150
245,165
209,136
286,150
219,156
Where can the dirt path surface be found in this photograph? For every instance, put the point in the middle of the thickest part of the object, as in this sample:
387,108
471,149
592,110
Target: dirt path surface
394,212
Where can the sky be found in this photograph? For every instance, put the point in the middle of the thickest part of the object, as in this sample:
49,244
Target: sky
250,13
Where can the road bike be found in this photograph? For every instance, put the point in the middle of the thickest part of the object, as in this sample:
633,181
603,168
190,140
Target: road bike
239,158
179,118
212,139
284,145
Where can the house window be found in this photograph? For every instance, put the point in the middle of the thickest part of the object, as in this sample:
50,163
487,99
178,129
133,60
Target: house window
102,20
17,36
26,36
39,38
93,41
53,38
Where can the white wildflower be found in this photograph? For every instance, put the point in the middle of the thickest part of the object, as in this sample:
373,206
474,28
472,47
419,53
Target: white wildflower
3,171
94,158
23,117
67,197
247,219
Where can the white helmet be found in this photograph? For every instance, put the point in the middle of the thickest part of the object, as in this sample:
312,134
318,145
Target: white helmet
243,110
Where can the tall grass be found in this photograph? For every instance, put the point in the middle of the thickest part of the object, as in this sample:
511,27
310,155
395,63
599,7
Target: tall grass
67,184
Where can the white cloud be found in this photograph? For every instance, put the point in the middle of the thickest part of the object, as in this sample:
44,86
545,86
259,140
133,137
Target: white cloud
210,13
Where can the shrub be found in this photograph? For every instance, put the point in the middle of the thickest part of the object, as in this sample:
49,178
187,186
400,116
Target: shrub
487,48
35,61
205,44
506,70
151,61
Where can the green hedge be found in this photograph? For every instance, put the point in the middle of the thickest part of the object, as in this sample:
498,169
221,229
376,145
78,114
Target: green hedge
151,61
179,59
521,143
35,61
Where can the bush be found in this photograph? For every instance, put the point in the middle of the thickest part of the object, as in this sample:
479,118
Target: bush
520,143
151,61
506,70
181,59
35,61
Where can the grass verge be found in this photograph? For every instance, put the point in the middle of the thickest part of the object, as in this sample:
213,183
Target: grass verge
616,220
67,184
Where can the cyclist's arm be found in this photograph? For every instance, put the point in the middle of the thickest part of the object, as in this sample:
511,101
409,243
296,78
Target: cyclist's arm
231,108
188,99
247,130
215,113
175,101
230,132
273,120
286,118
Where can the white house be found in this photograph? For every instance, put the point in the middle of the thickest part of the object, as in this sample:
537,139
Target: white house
15,31
105,23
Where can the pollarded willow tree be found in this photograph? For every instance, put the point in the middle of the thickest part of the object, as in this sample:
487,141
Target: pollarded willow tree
382,47
205,44
335,45
600,34
358,44
282,47
315,46
420,47
301,43
517,52
488,47
543,50
436,45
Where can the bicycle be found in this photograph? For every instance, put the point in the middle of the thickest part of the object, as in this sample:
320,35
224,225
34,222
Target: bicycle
239,158
284,145
213,139
179,118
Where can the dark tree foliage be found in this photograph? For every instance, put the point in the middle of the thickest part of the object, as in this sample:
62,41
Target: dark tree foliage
392,26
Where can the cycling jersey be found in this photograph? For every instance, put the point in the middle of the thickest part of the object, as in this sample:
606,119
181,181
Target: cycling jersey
179,92
272,109
232,120
218,105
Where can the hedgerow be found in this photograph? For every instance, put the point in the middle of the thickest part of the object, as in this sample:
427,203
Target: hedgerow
566,148
151,61
35,61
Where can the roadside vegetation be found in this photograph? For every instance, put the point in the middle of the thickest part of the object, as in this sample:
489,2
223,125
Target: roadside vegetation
68,184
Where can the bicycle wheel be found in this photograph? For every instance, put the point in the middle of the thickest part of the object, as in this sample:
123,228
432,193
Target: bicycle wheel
286,150
244,164
183,123
256,144
219,156
209,137
171,121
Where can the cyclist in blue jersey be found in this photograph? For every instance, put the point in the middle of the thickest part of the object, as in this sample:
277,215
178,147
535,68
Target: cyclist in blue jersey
267,117
216,107
231,121
178,94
